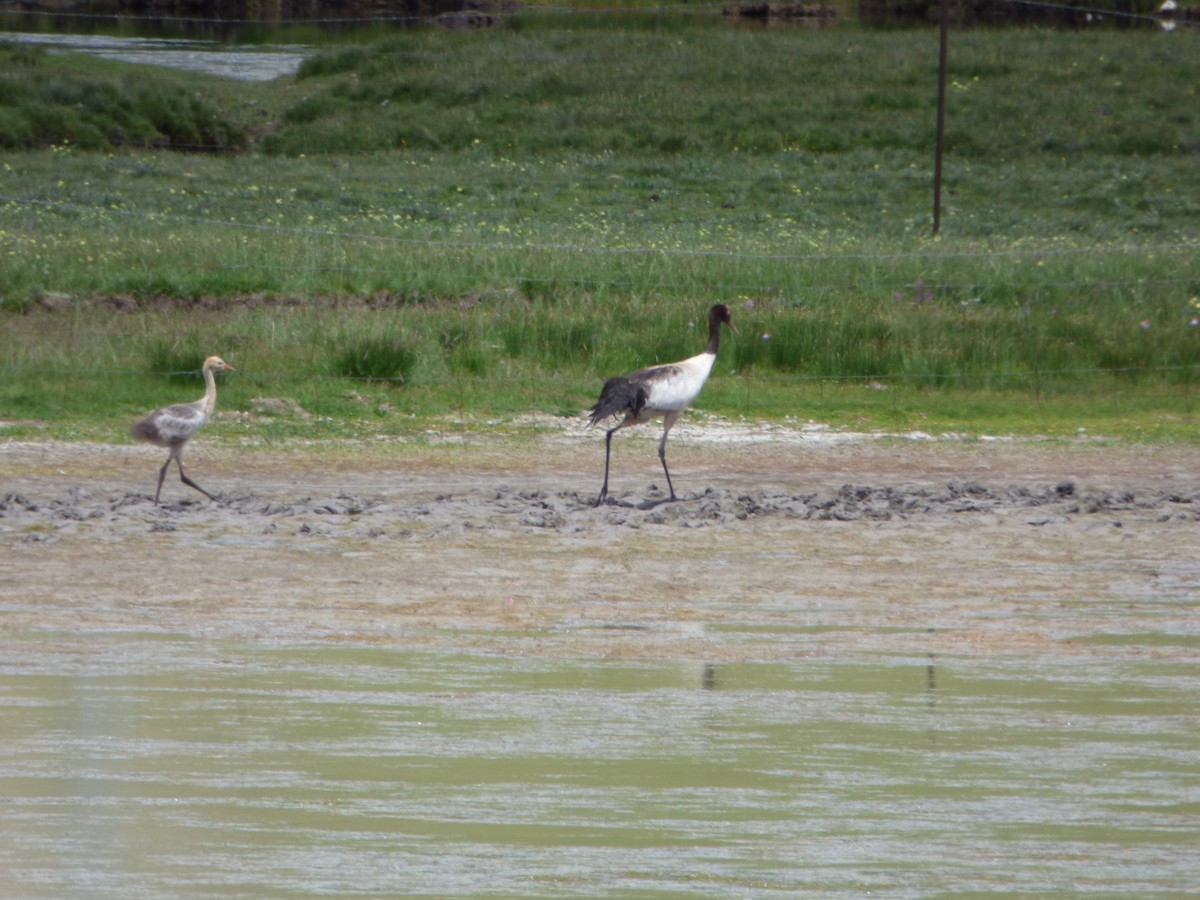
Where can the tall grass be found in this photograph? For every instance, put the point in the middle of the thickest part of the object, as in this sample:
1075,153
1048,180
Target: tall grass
42,106
354,367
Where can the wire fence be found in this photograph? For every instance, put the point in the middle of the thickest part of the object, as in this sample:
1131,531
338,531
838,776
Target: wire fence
540,381
813,294
814,290
1165,13
1012,252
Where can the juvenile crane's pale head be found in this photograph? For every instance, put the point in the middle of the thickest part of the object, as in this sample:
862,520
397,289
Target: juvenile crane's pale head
216,364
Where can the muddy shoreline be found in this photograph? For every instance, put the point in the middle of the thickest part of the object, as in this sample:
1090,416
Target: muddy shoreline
776,548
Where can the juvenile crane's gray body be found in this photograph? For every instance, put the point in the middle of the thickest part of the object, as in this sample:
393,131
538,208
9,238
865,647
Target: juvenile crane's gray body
172,426
665,390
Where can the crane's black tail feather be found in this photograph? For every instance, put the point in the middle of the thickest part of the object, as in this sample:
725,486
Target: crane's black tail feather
619,396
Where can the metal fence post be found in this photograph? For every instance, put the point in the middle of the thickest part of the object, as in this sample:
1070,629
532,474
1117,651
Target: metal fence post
941,120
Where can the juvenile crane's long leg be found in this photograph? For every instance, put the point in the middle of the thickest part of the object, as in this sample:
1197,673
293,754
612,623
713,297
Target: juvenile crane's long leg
191,483
162,473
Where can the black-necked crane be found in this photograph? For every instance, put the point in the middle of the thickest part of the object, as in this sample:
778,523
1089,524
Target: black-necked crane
172,426
665,390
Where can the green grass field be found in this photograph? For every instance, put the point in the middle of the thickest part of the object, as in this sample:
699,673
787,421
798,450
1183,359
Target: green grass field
478,225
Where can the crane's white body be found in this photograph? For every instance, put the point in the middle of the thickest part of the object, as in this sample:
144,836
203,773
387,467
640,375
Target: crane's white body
673,387
172,426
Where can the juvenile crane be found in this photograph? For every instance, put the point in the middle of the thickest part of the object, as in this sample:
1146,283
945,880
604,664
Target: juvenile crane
172,426
665,390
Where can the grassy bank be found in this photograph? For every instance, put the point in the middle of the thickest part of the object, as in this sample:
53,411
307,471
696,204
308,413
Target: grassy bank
480,225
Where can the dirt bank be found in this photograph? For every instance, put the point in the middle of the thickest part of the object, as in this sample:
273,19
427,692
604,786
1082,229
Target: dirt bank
783,543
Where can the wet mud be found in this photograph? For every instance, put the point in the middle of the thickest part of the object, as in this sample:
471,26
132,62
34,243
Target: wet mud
78,510
775,548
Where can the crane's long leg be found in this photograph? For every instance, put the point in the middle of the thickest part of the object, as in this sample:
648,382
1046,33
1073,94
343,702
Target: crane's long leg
162,473
663,456
607,457
176,455
183,477
668,421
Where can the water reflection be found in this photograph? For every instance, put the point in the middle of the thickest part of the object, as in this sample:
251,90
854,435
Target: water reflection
141,766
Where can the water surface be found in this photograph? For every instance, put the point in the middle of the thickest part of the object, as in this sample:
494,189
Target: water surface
260,62
151,765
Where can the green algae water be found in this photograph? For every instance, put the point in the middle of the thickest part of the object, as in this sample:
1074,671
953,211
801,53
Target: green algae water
155,766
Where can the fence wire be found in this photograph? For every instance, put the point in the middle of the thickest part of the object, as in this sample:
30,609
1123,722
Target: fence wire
1163,14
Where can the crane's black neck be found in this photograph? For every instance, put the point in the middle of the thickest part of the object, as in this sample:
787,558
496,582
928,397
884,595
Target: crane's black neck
716,316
